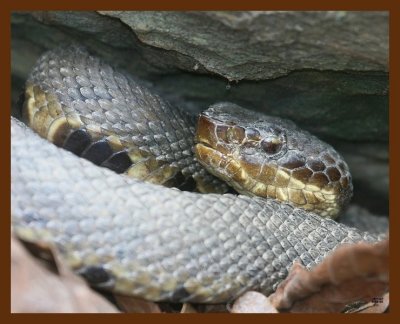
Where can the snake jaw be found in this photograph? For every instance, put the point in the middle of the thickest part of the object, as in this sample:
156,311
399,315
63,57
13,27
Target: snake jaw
215,155
278,161
221,165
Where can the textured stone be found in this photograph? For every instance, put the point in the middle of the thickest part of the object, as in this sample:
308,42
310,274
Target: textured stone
327,71
263,45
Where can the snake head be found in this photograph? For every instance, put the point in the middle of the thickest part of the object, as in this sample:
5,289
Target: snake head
271,157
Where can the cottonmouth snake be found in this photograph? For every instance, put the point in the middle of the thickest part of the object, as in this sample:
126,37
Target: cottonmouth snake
156,242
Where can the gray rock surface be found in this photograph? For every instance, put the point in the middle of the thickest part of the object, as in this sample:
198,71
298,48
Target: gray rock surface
362,219
264,45
327,71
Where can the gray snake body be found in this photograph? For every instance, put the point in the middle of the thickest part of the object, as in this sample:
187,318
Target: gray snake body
140,238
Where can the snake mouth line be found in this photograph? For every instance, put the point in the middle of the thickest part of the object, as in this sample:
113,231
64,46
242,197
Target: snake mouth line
221,165
209,156
309,197
226,167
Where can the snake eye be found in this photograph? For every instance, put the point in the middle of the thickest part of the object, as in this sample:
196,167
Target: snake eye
271,145
235,134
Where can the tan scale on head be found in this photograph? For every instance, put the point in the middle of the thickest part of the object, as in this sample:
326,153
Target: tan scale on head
271,157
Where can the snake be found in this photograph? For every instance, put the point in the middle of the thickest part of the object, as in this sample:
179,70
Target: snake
134,192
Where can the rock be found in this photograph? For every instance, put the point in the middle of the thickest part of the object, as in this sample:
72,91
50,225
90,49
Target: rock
263,45
361,218
369,167
327,71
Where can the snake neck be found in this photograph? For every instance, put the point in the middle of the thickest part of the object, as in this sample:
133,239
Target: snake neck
82,104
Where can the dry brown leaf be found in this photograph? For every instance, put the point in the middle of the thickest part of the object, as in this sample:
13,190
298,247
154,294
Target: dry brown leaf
353,272
377,305
35,289
356,272
253,302
136,305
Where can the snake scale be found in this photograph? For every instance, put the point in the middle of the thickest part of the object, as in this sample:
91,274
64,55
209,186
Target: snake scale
152,241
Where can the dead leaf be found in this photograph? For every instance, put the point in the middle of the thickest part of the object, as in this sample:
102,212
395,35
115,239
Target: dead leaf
377,305
136,305
35,289
356,272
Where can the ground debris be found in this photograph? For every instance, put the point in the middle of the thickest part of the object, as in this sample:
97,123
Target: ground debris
130,304
36,289
353,279
376,305
356,272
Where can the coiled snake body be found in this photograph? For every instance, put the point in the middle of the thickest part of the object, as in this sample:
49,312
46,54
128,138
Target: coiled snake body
156,242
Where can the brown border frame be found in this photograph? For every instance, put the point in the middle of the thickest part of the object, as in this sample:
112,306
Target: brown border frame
8,6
